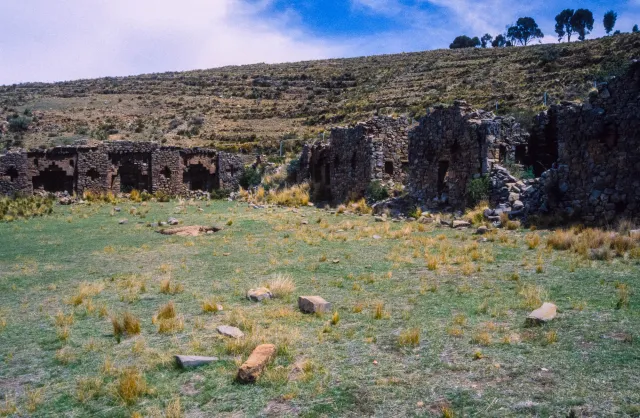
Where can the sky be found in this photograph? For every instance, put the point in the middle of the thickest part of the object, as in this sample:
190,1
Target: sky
60,40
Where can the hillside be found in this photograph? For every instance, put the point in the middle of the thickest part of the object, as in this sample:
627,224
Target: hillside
255,106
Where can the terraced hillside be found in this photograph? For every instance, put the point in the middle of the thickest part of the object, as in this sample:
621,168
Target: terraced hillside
256,106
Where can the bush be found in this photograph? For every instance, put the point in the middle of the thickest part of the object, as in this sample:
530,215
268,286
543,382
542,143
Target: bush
478,190
250,178
19,124
293,167
376,191
24,207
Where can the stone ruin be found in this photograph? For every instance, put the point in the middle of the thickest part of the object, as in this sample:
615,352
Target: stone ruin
343,167
119,166
585,157
453,145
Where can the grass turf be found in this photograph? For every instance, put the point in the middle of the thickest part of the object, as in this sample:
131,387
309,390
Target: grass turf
430,321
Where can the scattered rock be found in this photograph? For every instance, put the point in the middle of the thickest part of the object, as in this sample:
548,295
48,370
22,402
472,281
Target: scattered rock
193,361
259,294
460,224
173,221
313,304
251,370
229,331
123,221
305,222
542,315
482,230
377,237
425,220
380,219
517,205
117,209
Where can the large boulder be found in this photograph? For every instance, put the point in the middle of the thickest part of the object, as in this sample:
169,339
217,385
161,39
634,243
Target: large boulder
313,304
251,369
543,314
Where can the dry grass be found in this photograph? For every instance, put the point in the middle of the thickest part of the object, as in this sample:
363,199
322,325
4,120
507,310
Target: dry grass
624,292
379,311
533,240
35,397
476,215
281,285
131,385
173,409
168,311
532,296
170,288
482,338
86,290
561,240
127,325
210,305
335,318
409,338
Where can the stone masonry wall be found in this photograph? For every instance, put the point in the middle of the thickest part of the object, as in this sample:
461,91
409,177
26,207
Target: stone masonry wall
14,178
597,174
119,166
343,168
452,145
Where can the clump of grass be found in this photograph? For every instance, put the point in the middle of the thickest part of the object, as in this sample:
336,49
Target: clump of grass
551,337
281,286
357,308
65,355
131,385
169,288
35,397
533,240
409,338
432,263
361,207
481,338
63,333
210,305
622,244
128,324
379,311
173,409
171,325
335,318
532,296
624,292
476,215
561,240
512,225
86,290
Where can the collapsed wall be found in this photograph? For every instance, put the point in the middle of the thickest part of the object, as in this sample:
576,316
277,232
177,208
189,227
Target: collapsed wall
596,177
343,168
453,145
119,166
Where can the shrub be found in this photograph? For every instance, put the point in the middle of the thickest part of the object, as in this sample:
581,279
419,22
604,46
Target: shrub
19,124
410,337
24,207
376,191
250,178
131,385
478,190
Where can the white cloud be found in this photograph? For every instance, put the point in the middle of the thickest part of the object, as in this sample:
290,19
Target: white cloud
44,40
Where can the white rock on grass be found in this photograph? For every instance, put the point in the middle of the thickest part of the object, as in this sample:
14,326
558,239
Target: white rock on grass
229,331
313,304
259,294
543,314
193,361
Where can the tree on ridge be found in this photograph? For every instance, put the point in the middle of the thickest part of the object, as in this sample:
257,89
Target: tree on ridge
525,30
609,21
582,23
563,24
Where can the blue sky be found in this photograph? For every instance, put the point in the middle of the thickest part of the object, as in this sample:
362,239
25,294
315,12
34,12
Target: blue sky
45,40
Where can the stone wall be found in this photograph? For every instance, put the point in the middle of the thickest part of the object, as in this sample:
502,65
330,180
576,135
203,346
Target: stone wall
342,168
119,166
596,177
14,174
453,145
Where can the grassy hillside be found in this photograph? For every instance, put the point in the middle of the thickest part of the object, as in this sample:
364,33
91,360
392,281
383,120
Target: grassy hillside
258,105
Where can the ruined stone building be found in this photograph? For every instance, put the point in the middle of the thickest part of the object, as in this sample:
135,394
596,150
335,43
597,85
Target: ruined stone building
353,157
591,154
452,145
119,166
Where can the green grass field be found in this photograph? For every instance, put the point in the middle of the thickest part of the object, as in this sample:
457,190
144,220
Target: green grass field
430,321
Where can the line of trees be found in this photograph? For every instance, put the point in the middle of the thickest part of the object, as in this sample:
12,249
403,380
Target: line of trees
526,30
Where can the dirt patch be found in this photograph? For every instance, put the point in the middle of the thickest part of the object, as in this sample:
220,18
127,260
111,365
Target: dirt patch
190,231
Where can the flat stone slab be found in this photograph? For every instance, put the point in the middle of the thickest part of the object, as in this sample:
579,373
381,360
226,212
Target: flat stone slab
543,314
313,304
189,231
460,224
193,361
251,369
229,331
259,294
